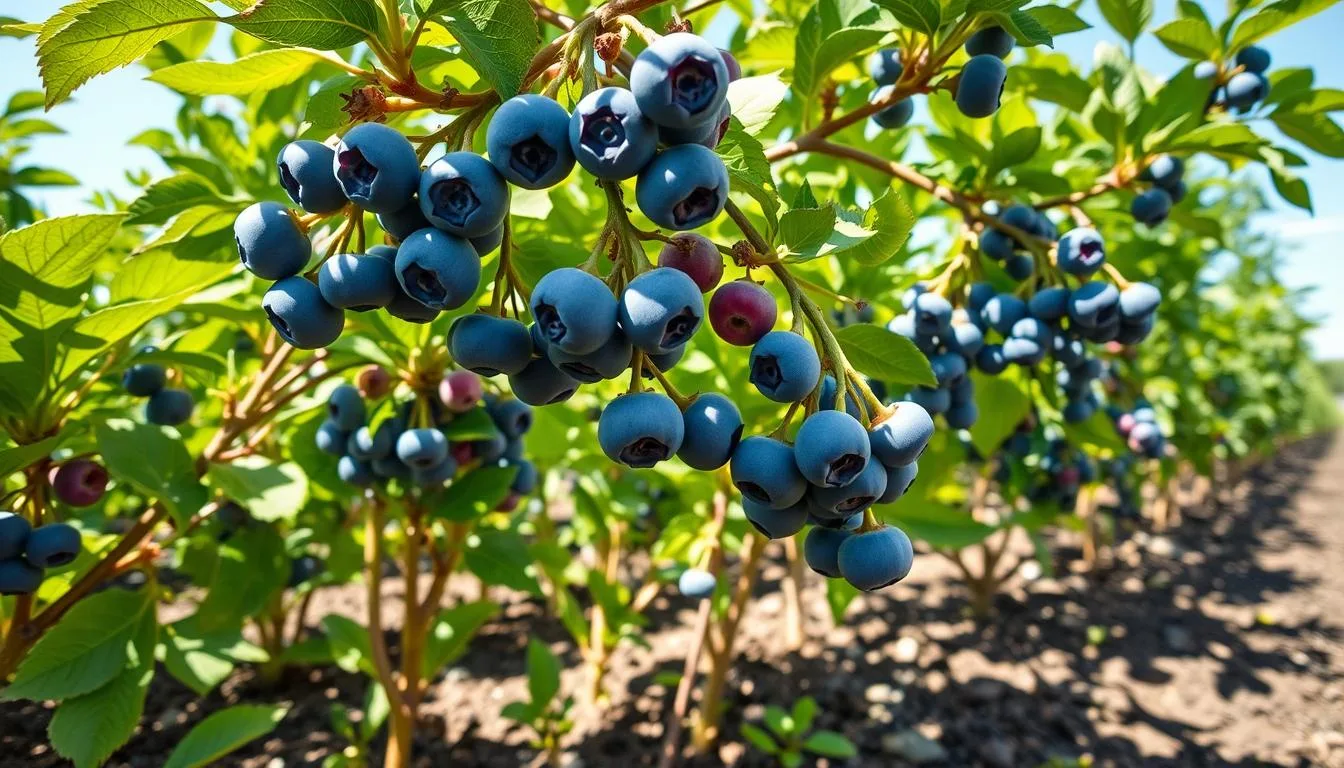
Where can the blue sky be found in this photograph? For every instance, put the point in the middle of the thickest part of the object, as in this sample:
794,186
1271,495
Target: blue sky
105,114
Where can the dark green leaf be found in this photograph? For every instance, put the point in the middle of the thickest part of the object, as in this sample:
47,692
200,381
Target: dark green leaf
223,732
500,557
878,353
920,15
759,739
1002,405
475,493
499,37
322,24
830,744
153,459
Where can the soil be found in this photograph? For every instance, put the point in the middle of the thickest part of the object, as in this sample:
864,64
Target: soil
1218,643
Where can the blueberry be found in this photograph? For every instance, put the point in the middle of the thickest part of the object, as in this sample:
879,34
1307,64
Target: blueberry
708,134
966,339
661,310
1206,70
1139,300
1002,312
1136,330
574,309
52,546
1094,304
270,244
462,194
990,359
1102,332
488,242
732,65
439,270
79,482
712,427
353,471
403,307
884,66
764,470
300,315
932,399
864,491
684,187
609,136
996,245
977,296
1151,207
357,282
901,438
13,534
899,480
366,445
331,439
876,559
826,400
513,450
913,292
696,583
784,366
525,480
345,408
606,362
948,368
143,379
821,550
933,315
697,256
390,467
169,407
1076,411
1025,352
994,41
1049,303
1146,438
1253,58
640,429
741,312
1165,171
306,174
981,85
377,167
1020,266
903,325
422,448
460,391
528,141
17,577
490,450
895,116
434,475
489,345
831,448
962,415
541,383
512,416
1033,330
775,523
680,80
1178,192
1066,350
402,222
851,523
1081,251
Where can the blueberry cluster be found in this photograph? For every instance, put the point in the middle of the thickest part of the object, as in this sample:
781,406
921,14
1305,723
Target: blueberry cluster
1004,248
1152,206
1140,430
26,552
166,405
1241,86
410,445
993,330
1066,469
979,87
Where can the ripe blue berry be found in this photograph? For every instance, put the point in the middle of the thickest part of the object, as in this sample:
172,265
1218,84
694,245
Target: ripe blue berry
489,345
512,416
933,315
574,310
541,383
52,546
884,66
143,380
606,362
353,471
680,80
422,448
876,559
821,550
1206,70
462,194
269,241
345,408
994,41
169,407
711,428
366,445
684,187
609,136
1020,266
963,414
488,242
377,167
14,532
707,134
402,222
1151,206
997,245
435,475
331,439
696,583
764,470
306,174
784,366
831,449
640,429
967,339
948,368
17,577
300,315
1080,410
990,359
1002,312
357,282
390,467
1095,304
899,480
697,256
900,439
1081,251
826,400
775,523
1136,330
933,399
1139,300
439,270
528,141
1253,58
981,85
1049,303
864,491
895,116
403,307
661,310
1165,171
741,312
976,297
525,481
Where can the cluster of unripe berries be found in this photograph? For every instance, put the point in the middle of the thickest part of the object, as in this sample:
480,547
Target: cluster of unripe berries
1140,430
26,552
1241,86
410,446
446,216
1166,173
167,406
979,86
992,330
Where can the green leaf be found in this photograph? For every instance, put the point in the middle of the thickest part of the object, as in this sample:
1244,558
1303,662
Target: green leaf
153,459
349,644
829,35
322,24
804,712
323,116
271,492
1216,136
20,456
1002,406
1128,17
452,630
498,37
1273,18
875,235
103,36
1025,28
472,495
500,557
920,15
878,353
839,595
754,100
223,732
519,712
254,73
1057,19
759,739
43,177
749,171
1191,38
939,526
803,230
475,424
203,660
168,197
830,744
87,649
543,673
12,27
1015,148
1097,431
1316,130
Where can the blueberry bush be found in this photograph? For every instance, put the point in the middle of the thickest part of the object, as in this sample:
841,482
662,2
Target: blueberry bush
571,302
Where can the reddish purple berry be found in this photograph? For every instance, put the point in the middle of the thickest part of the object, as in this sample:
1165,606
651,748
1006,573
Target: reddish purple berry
695,255
461,391
373,382
79,483
741,312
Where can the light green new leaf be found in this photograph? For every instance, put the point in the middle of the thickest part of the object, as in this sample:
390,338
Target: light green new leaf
876,234
254,73
1056,19
1273,18
498,37
543,673
451,631
830,744
1316,130
322,24
803,230
223,732
878,353
170,196
203,660
1128,17
349,644
1002,405
755,99
271,492
1191,38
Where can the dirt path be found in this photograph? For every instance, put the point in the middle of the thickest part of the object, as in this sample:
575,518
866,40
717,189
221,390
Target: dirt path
1219,644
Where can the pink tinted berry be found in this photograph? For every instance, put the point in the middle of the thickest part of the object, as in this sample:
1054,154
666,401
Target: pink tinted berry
741,312
509,503
696,256
460,391
462,453
1125,423
79,483
373,382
